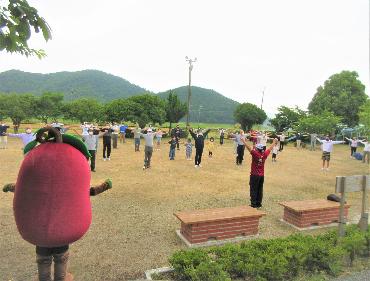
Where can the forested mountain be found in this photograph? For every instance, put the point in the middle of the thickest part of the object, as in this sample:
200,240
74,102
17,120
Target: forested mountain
207,105
86,83
214,107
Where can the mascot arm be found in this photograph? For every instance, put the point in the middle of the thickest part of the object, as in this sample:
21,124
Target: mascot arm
10,187
95,190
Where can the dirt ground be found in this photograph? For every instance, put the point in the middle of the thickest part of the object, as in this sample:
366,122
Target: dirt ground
133,226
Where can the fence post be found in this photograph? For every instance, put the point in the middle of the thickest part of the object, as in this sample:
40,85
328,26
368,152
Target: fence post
364,220
342,221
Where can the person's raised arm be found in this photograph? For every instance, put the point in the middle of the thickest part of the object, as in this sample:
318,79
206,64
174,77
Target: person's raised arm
206,132
246,145
350,140
192,133
320,141
338,142
274,142
77,133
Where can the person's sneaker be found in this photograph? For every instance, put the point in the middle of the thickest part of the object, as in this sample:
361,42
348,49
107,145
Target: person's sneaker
93,171
144,168
200,166
196,166
108,158
104,159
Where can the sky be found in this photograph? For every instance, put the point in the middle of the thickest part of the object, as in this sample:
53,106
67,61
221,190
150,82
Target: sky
284,48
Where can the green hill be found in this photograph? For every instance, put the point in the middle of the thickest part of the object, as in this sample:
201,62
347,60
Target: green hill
104,87
86,83
207,105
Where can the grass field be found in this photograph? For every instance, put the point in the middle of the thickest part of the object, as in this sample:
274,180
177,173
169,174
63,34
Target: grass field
133,226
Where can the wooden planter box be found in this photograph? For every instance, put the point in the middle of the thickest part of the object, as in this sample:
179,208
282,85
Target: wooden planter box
219,224
308,213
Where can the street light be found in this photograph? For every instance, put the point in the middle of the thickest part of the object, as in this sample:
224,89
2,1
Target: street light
189,89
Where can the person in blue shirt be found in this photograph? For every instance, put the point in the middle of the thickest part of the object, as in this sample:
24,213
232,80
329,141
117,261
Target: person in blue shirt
122,133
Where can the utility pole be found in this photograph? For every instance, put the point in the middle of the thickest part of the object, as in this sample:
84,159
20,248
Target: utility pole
263,94
190,61
200,107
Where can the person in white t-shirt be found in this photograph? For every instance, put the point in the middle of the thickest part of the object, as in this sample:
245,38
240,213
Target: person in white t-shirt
366,153
327,148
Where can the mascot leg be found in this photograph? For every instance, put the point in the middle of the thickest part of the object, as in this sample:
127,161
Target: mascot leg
60,267
44,267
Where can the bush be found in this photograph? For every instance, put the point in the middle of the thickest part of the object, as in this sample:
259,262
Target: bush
274,259
208,271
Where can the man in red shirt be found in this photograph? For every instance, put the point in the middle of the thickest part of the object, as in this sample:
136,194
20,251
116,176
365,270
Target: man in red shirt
259,156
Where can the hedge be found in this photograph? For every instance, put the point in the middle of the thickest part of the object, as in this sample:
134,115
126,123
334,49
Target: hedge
273,259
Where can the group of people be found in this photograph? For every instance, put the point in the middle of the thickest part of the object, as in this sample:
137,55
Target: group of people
153,138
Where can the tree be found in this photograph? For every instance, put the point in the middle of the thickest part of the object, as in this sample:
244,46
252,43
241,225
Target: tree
175,109
49,105
365,115
16,21
342,94
118,110
19,107
325,123
248,114
145,109
3,108
286,118
83,110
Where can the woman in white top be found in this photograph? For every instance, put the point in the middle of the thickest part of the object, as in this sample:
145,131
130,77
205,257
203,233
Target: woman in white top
354,144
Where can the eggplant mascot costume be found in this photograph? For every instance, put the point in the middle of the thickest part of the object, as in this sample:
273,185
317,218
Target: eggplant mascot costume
52,198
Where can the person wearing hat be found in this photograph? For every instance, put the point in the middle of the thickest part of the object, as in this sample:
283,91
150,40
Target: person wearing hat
26,137
257,175
148,137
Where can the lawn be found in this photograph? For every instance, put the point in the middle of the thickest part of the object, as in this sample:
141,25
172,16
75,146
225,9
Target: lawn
133,226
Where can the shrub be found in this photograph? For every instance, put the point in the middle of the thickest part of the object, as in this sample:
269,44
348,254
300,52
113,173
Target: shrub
208,271
273,259
184,262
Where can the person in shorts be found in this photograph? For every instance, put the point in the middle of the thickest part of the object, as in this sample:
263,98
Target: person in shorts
327,148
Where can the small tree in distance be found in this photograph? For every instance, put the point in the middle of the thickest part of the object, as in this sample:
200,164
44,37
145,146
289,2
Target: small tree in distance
248,114
175,109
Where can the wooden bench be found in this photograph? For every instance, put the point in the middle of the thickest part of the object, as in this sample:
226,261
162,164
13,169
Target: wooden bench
218,224
308,213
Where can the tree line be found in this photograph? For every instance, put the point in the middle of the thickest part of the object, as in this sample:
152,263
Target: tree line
340,103
142,109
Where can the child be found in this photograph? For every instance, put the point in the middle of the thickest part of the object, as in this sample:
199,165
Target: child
210,147
172,143
275,150
188,149
159,135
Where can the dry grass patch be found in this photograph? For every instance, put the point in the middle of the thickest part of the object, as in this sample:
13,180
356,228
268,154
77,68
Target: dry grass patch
133,225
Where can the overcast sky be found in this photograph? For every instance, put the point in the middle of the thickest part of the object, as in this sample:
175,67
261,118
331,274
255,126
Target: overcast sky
288,47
